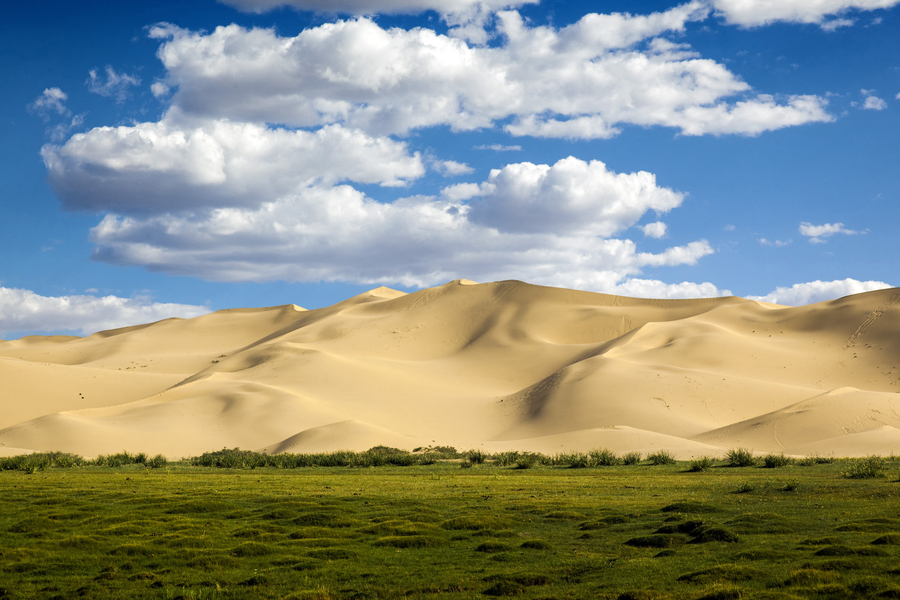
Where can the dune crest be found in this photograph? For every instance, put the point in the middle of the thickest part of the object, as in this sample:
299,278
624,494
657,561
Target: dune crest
503,365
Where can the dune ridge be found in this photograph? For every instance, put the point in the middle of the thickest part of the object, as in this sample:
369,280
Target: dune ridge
497,366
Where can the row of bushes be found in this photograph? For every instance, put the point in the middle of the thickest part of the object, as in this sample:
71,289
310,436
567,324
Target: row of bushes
40,461
873,466
374,457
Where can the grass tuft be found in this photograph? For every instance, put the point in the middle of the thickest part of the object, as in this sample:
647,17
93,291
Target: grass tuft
631,458
776,461
661,457
702,463
740,457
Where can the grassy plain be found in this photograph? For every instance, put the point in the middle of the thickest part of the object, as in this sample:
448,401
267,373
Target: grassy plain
440,531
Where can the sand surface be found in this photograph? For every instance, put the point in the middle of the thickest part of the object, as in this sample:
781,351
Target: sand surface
495,366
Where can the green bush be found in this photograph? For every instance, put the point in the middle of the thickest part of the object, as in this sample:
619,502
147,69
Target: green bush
865,468
815,459
604,458
631,458
701,464
740,457
661,457
157,462
776,461
476,457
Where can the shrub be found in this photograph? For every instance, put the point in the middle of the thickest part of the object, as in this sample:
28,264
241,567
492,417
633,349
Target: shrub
579,460
815,459
157,462
866,468
701,464
476,457
526,460
775,461
604,458
631,458
506,459
740,457
661,457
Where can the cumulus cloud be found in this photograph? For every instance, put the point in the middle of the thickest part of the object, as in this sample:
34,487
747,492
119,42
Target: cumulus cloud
655,230
816,233
800,294
572,196
115,85
172,166
774,243
754,13
651,288
580,81
338,233
874,103
252,173
24,310
371,7
451,168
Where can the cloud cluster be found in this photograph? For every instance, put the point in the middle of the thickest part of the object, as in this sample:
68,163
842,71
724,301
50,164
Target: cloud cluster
800,294
255,172
173,165
817,233
755,13
581,81
371,7
338,233
24,310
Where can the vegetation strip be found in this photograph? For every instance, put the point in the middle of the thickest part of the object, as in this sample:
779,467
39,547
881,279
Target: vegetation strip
567,526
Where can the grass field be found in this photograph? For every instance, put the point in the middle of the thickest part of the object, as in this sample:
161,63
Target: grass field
681,530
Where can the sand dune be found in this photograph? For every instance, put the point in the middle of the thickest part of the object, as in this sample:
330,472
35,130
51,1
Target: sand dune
502,365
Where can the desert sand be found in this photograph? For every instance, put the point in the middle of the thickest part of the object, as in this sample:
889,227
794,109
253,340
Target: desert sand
494,366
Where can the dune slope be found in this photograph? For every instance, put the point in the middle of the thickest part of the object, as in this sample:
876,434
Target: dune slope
497,366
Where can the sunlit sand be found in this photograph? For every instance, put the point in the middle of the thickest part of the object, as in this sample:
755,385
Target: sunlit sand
495,366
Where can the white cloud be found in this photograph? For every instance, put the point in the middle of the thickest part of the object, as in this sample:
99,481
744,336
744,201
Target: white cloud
371,7
173,165
874,103
835,24
650,288
580,81
502,148
774,243
51,100
24,310
159,89
572,196
815,233
451,168
116,84
753,13
655,230
338,233
819,291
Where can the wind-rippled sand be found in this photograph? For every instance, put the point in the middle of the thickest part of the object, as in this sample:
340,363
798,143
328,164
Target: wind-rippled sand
495,366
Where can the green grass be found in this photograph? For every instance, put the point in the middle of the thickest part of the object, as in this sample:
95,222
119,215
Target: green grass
438,531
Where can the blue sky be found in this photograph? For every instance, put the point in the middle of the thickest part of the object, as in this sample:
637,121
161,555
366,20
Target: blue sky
168,159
